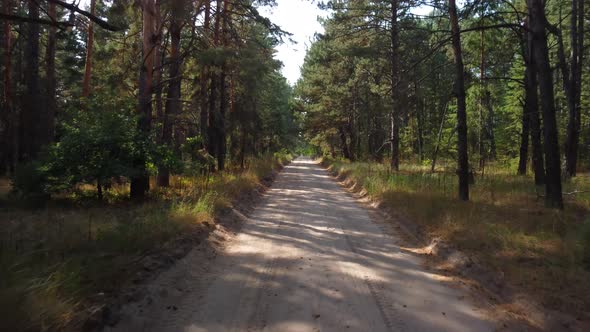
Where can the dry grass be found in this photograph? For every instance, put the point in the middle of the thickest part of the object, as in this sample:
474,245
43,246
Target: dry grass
505,225
54,260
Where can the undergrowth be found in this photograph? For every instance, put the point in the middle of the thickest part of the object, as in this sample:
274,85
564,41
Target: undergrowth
56,260
504,225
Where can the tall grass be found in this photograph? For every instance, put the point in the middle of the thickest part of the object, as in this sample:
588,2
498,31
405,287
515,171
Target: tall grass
54,261
504,225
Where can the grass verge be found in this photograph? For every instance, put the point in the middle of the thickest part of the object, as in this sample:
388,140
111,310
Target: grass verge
544,252
57,261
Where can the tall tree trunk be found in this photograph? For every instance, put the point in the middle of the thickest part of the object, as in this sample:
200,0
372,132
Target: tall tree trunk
524,140
10,149
140,183
573,85
204,79
31,116
526,117
89,49
344,143
158,70
532,108
463,161
50,75
419,107
394,114
538,22
490,126
482,101
174,87
439,138
213,138
223,95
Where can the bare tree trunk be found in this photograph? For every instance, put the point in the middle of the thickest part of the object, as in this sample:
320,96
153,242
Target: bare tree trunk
223,95
214,102
343,143
174,87
89,49
482,102
532,109
439,138
573,85
538,22
420,105
394,114
50,75
158,55
490,126
140,183
463,161
204,79
524,140
526,117
242,147
10,148
31,115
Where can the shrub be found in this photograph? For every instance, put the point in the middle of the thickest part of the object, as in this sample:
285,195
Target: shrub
30,182
94,148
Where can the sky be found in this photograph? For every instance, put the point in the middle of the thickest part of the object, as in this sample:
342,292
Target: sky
299,17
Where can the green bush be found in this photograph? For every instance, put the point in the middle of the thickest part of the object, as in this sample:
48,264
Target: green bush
97,143
94,148
30,182
195,159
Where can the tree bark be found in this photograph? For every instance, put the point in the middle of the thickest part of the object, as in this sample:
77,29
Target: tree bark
463,162
174,87
89,50
10,148
482,102
490,126
204,80
50,75
223,95
32,129
214,101
158,70
532,109
572,83
343,143
439,138
140,183
524,141
394,114
538,24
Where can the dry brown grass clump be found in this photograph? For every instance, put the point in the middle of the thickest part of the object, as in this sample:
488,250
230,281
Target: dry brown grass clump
54,260
504,226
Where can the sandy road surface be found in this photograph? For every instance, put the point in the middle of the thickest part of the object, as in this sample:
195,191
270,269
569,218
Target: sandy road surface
308,259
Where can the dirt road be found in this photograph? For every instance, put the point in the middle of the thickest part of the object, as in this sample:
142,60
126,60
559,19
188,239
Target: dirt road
308,259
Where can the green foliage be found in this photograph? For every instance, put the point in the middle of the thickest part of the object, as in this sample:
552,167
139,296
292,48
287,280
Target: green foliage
30,182
95,146
195,159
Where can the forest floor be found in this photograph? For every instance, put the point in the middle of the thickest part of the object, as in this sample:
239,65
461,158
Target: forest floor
533,261
310,258
68,264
